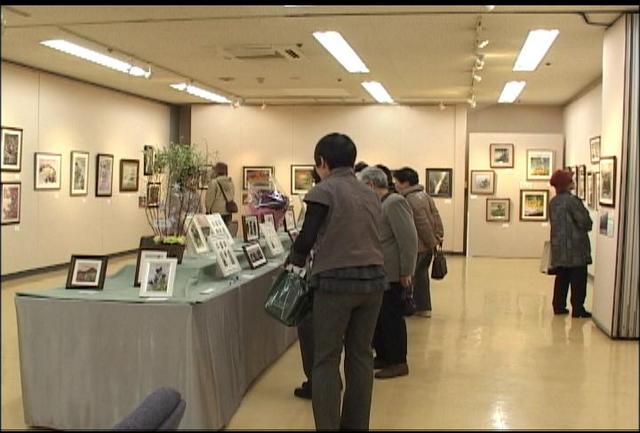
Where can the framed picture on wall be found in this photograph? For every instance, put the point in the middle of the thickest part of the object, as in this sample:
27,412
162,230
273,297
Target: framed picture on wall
11,152
439,182
302,178
589,191
501,155
256,176
534,204
498,209
87,272
594,149
46,171
79,184
581,181
11,198
483,182
129,171
153,194
104,175
596,188
574,177
149,154
250,228
539,164
607,196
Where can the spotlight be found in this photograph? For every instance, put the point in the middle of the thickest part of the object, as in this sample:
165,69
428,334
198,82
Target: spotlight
483,43
441,106
477,77
236,103
264,106
489,8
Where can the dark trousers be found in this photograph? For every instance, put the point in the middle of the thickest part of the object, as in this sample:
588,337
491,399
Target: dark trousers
577,277
226,218
390,338
349,319
305,336
421,290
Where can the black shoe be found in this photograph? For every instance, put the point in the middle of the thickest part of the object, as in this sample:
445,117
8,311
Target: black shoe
378,364
303,391
563,311
583,313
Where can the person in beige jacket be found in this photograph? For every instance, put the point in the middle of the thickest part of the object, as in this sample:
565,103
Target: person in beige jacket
219,187
430,233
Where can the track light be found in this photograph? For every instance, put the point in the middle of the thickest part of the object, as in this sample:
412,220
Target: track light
477,77
441,106
263,106
489,8
236,104
483,43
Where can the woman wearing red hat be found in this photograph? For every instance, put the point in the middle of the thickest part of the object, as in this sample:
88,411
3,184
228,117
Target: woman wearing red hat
570,247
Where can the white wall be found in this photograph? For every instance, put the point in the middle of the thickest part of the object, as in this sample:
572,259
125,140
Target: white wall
395,136
60,115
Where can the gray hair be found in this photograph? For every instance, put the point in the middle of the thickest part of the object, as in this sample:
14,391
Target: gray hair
375,176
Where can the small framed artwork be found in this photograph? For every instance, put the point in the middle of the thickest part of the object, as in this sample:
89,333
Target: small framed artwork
47,171
144,255
104,175
269,218
534,204
153,194
302,178
596,188
250,228
11,198
225,257
581,181
274,245
87,272
498,209
293,234
501,155
129,175
142,202
483,182
197,238
539,164
149,154
439,182
79,173
254,254
607,196
289,220
203,222
594,148
218,229
589,191
11,156
256,176
158,277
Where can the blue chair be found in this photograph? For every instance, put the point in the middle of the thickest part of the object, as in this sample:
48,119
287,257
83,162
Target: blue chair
163,409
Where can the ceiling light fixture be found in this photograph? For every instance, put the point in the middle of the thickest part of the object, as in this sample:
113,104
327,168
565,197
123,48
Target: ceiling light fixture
201,93
341,50
96,57
378,92
483,43
511,91
534,49
490,7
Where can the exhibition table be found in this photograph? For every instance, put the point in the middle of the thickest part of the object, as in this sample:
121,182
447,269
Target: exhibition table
87,359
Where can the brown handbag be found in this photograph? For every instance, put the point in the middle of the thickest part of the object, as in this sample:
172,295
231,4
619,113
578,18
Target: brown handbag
231,205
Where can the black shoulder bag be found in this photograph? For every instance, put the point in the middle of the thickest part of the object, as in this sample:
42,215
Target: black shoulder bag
231,205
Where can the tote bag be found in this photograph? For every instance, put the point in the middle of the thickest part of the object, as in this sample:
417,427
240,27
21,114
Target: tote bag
439,268
289,300
545,260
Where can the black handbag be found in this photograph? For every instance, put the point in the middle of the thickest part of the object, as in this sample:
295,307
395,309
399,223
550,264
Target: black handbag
231,205
408,303
439,268
290,299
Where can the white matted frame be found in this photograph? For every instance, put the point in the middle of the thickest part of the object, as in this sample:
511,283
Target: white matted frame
11,151
225,257
11,202
218,228
274,245
269,218
534,205
158,278
79,178
302,178
539,164
87,272
289,220
197,239
483,182
250,228
501,155
144,255
47,171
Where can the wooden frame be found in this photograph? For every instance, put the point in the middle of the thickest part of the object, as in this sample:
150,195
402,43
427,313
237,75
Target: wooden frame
491,216
545,209
95,271
153,201
501,146
104,172
581,181
254,254
540,171
476,189
300,182
130,163
11,149
250,228
247,171
57,170
205,175
73,190
607,181
437,189
147,160
145,254
594,149
10,211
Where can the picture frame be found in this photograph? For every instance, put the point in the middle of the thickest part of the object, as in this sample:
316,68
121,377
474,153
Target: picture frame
581,181
47,171
104,175
148,159
158,278
302,178
225,257
594,149
218,229
534,205
539,164
269,217
439,182
259,175
79,177
289,220
589,189
274,245
11,149
153,194
501,155
87,272
144,255
254,254
574,177
250,228
205,174
596,189
11,202
196,238
607,187
498,210
129,174
483,182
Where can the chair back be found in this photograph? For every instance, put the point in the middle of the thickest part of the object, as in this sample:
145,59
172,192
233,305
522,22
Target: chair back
163,409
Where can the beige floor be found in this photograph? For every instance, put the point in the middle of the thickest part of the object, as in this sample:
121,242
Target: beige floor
493,356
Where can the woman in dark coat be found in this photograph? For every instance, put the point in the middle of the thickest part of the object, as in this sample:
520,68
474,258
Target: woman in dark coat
570,247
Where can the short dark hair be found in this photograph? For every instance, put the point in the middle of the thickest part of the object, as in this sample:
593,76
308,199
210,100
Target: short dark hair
388,173
221,169
316,176
338,150
406,174
361,166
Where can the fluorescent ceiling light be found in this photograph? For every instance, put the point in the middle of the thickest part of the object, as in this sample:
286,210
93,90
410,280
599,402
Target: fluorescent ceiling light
96,57
341,50
202,93
511,91
378,91
534,49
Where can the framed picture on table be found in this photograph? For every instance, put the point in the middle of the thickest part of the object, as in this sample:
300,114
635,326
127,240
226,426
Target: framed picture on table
250,228
196,237
11,152
158,277
256,175
225,257
144,255
87,272
269,218
439,182
255,255
47,171
289,220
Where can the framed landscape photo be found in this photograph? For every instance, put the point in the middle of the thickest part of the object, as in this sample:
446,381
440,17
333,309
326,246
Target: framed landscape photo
87,272
153,194
483,182
11,198
289,220
11,152
47,171
256,175
149,154
129,171
534,204
594,149
250,228
254,254
158,277
501,155
79,173
581,181
539,164
302,178
104,175
439,182
498,209
607,196
144,255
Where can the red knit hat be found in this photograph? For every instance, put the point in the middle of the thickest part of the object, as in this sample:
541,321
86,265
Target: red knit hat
561,180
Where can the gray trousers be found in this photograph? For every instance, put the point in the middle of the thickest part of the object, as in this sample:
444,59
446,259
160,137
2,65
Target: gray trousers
421,291
349,319
305,336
